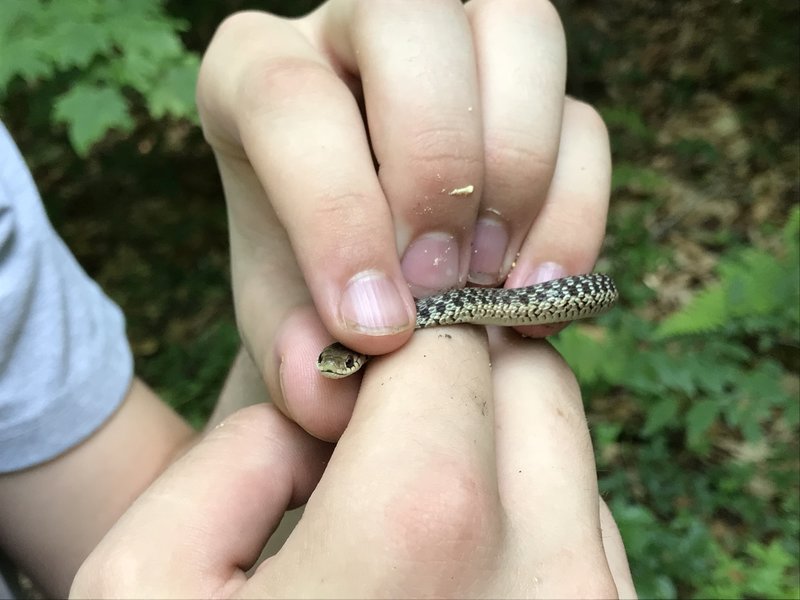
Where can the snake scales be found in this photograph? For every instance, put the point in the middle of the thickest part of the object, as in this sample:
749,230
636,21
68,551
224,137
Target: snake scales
566,299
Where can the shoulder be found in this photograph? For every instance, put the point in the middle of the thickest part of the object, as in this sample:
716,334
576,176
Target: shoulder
65,364
21,212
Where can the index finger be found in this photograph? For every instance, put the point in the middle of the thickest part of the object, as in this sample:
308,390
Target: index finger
265,89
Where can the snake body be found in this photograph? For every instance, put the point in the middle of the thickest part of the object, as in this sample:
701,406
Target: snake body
566,299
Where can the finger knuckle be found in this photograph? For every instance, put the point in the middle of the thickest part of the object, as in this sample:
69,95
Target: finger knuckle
349,225
340,204
541,12
234,24
445,153
233,27
447,514
280,81
340,211
515,159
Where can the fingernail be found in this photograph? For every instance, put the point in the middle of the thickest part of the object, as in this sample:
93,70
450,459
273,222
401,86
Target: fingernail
371,304
547,271
489,244
430,264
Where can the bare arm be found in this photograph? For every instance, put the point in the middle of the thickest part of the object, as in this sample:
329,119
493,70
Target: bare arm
53,515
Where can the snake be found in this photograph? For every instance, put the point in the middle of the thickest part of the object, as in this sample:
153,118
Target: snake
557,301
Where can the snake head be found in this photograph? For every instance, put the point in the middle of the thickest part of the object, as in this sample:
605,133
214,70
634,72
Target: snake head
337,361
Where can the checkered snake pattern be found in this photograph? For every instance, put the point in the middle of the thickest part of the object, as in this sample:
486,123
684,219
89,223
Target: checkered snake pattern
561,300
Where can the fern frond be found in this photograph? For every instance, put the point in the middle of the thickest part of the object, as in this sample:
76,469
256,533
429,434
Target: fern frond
705,313
753,283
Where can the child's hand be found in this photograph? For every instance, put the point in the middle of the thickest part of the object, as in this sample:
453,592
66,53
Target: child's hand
482,164
453,480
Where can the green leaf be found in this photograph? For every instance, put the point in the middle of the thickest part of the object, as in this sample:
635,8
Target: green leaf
96,50
705,312
679,372
74,43
140,33
133,69
758,291
89,112
52,14
699,419
752,280
174,92
628,119
581,352
606,434
11,13
635,178
29,62
661,414
635,523
791,231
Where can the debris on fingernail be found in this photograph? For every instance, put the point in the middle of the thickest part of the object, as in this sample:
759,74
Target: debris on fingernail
462,191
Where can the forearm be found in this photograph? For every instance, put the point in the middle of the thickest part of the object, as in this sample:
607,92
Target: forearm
52,515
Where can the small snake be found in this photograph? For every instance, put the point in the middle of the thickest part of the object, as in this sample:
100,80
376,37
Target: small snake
557,301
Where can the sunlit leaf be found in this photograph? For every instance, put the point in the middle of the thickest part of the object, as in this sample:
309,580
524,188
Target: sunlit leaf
174,92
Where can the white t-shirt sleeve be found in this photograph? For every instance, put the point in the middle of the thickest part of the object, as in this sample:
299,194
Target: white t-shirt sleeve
65,362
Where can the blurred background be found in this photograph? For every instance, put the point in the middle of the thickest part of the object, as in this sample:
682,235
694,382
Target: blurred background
691,385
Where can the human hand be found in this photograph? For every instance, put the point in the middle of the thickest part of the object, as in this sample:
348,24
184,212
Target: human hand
454,479
442,97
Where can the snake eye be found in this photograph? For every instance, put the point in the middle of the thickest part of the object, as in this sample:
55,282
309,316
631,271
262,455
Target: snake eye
349,363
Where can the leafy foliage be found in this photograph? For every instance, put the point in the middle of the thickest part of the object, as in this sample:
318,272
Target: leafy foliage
697,433
91,110
713,366
758,290
106,57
